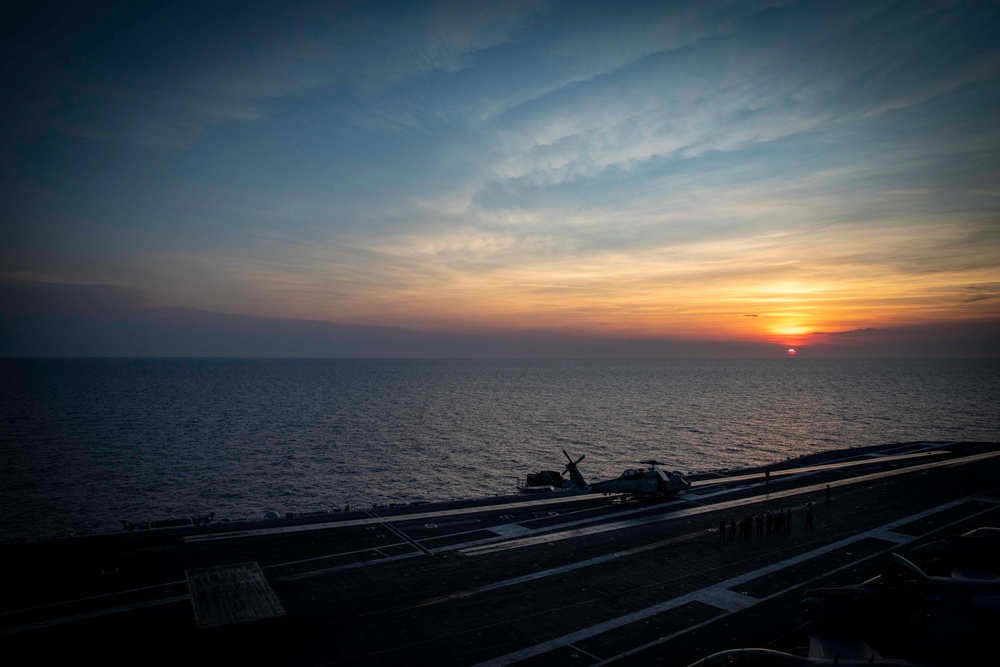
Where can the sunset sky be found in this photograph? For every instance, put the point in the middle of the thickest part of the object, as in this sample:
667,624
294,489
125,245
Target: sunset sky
501,178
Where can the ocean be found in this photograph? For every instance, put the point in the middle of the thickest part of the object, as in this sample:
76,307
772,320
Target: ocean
88,443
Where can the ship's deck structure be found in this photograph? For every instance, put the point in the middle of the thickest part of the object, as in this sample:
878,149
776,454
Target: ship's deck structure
580,580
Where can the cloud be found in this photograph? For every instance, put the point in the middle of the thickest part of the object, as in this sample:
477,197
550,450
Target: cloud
749,84
28,298
969,339
984,69
100,320
190,67
657,170
870,331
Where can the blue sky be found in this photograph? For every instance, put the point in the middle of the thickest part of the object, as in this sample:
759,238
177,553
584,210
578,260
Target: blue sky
748,175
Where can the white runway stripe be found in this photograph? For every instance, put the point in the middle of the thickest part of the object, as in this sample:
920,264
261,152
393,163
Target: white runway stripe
718,595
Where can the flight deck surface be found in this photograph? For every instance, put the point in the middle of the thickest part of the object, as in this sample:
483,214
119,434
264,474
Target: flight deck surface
580,580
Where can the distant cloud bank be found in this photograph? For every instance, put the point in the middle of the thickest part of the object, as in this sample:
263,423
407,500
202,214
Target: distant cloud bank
53,320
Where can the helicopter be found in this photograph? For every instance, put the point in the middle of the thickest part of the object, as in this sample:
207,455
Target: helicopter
650,481
551,481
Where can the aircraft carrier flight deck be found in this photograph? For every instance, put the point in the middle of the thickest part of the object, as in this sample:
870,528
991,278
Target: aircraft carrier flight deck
553,579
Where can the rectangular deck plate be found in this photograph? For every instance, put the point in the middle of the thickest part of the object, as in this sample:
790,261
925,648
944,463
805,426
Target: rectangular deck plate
231,594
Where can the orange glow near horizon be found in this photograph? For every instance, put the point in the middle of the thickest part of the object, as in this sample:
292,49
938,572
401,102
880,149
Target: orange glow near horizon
704,291
660,191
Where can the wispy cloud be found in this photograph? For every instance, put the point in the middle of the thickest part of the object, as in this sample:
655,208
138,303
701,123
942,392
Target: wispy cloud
207,66
706,169
856,332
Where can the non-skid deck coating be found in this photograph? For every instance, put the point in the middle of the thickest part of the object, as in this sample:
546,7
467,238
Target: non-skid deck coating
578,581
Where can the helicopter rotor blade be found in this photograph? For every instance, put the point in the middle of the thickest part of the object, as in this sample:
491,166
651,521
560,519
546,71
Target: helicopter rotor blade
573,471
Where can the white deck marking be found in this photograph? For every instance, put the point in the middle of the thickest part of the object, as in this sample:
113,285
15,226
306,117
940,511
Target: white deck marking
572,529
888,535
400,534
364,521
883,532
341,568
800,584
717,594
89,598
339,554
511,530
782,475
523,580
580,650
564,568
923,446
432,526
727,600
95,614
373,518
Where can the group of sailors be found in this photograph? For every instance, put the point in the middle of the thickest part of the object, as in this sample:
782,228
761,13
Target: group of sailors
766,524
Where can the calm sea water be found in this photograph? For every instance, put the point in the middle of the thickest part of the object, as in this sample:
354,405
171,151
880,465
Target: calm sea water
85,444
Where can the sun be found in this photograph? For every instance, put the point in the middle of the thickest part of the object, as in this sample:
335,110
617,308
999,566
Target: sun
791,351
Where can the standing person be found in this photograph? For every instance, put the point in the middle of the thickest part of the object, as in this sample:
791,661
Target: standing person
809,516
827,494
722,529
760,525
732,529
767,476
